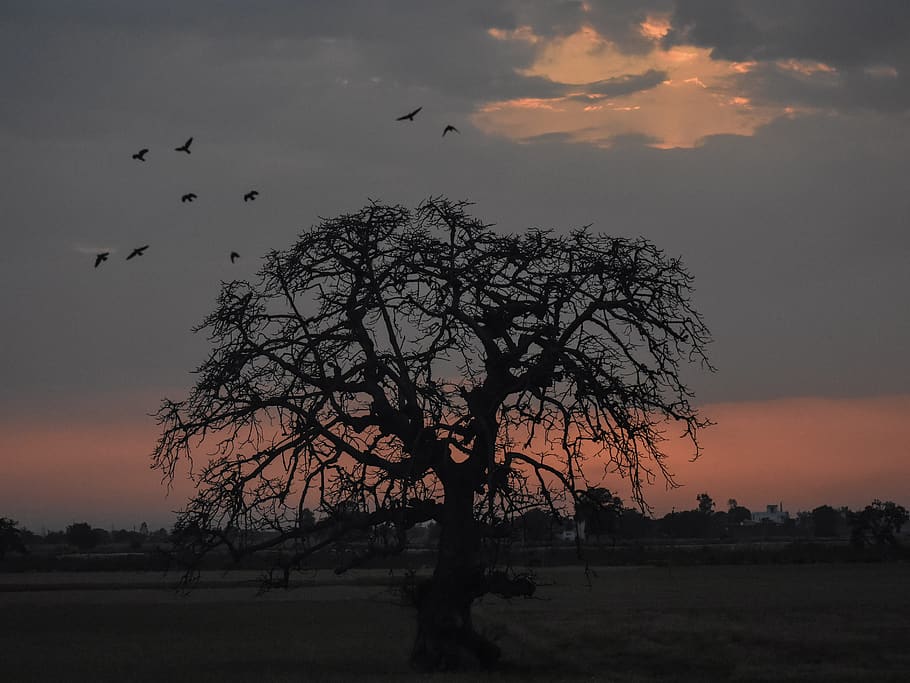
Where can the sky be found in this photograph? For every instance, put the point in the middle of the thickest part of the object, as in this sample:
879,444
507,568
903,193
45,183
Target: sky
765,143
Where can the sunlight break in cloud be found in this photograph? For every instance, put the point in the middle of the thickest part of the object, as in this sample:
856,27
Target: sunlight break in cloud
698,97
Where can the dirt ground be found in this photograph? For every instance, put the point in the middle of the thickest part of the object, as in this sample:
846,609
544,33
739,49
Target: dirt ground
750,622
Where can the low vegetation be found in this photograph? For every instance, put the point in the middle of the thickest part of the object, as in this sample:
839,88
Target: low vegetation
830,622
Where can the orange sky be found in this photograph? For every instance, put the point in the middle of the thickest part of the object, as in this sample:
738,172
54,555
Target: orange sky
802,451
698,97
805,452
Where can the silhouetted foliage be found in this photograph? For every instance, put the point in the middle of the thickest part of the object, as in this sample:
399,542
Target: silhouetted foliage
687,524
878,524
307,519
134,539
102,536
601,512
705,504
537,526
12,539
636,524
826,521
738,514
81,535
55,537
399,366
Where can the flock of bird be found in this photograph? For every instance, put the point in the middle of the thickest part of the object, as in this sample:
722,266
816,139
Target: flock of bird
247,197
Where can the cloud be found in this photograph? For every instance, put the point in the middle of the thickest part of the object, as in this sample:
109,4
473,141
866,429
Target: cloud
859,41
627,84
839,32
434,45
676,96
876,88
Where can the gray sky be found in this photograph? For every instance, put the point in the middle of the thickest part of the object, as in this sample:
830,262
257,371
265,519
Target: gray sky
765,142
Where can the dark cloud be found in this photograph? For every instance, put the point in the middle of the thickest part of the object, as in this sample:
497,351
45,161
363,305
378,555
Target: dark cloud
851,89
619,21
421,42
853,37
626,85
838,32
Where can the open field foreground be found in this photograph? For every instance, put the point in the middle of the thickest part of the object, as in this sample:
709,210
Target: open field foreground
780,622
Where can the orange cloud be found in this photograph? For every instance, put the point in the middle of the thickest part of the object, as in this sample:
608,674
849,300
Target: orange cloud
699,97
655,26
522,33
805,67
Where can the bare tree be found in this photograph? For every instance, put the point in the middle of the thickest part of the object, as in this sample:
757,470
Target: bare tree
399,366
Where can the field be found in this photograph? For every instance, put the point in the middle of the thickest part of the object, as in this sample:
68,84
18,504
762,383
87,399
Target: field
822,622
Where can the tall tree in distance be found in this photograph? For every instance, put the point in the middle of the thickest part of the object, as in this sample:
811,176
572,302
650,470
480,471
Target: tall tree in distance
397,366
705,504
11,537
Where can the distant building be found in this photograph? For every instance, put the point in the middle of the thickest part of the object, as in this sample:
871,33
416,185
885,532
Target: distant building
772,513
569,529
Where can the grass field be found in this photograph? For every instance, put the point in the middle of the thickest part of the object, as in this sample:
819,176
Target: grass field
824,622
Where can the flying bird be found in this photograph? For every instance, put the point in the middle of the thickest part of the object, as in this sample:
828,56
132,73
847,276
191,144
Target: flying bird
450,128
250,196
138,251
188,197
185,147
140,155
101,257
410,116
234,256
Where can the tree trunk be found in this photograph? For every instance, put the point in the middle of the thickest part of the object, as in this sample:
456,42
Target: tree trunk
446,639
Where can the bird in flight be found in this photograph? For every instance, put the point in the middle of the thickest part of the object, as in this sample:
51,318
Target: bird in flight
140,155
234,256
138,251
410,116
101,257
251,195
188,197
450,129
185,147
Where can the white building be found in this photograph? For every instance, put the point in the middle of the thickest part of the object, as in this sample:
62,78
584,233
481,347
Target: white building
772,513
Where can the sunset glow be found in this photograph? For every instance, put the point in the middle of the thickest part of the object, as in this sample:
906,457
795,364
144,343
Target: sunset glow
699,96
803,451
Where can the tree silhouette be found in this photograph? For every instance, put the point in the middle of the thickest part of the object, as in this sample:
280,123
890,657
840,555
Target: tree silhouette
737,514
11,537
397,366
705,504
81,535
826,521
877,524
601,512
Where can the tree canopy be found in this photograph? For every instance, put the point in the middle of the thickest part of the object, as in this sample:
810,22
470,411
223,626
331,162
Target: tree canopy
396,366
877,524
11,537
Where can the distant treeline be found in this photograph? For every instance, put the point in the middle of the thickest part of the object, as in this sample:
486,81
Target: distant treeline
601,524
603,517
